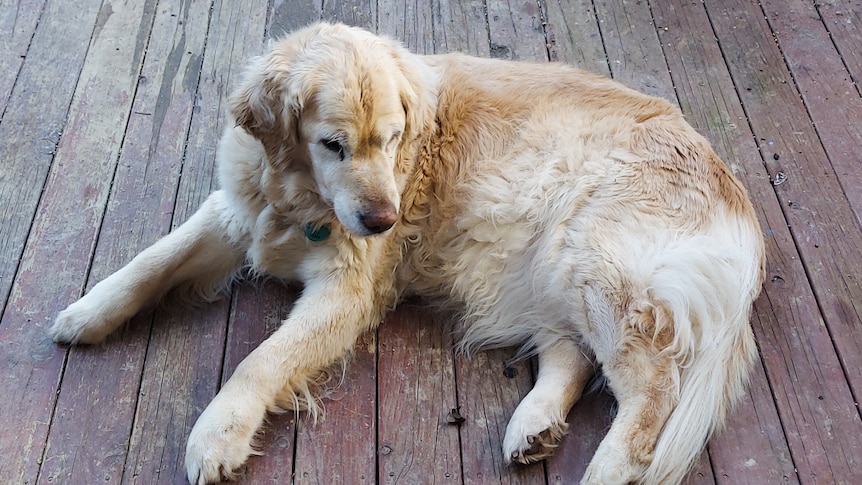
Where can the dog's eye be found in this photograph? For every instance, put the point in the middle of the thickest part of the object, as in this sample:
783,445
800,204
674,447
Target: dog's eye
334,146
395,137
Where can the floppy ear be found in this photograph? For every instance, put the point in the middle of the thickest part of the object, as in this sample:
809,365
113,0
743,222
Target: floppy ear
262,104
419,105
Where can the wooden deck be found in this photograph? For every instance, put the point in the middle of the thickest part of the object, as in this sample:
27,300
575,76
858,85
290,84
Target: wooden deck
110,115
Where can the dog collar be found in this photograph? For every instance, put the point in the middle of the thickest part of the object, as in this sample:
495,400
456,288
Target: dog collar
316,233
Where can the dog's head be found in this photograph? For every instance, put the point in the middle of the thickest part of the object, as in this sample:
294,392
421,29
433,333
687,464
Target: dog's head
340,103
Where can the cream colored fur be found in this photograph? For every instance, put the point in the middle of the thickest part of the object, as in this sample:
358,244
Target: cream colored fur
556,209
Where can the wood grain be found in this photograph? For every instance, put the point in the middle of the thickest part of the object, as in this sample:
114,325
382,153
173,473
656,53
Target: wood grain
257,311
843,19
635,57
835,108
63,233
460,26
30,127
18,20
573,35
516,30
138,213
182,371
488,396
286,16
103,150
409,21
340,448
416,391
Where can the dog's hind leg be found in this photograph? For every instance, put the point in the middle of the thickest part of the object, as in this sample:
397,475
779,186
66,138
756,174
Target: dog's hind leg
645,382
199,254
538,423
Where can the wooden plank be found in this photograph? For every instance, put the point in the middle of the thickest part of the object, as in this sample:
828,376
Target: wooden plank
574,38
416,391
843,19
516,30
808,384
409,21
589,421
139,212
633,49
752,448
31,128
836,109
63,233
18,20
489,390
177,383
820,210
459,26
286,16
341,447
182,370
236,35
415,373
573,35
361,13
256,313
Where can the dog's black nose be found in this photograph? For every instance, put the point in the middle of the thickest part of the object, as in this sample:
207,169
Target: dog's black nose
379,219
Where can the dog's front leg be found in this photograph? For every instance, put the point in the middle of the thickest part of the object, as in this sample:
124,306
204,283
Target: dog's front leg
322,328
203,253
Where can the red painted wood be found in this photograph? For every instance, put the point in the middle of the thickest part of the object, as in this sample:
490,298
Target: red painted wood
18,20
54,264
843,19
835,107
139,212
416,391
257,312
745,453
340,447
488,398
589,421
168,383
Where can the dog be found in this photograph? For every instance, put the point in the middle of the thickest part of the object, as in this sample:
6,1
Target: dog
555,209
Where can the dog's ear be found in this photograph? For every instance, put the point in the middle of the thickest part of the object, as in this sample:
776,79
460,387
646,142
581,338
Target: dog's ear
264,104
416,99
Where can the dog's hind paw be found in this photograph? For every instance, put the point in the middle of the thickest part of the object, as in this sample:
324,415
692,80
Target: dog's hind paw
534,447
531,438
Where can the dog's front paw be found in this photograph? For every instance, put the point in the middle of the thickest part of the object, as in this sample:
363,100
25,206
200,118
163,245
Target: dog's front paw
532,435
82,322
221,440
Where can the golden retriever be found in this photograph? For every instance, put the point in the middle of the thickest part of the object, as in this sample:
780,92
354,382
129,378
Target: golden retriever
556,209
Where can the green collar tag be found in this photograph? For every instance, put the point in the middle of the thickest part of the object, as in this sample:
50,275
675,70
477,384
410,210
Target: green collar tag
317,233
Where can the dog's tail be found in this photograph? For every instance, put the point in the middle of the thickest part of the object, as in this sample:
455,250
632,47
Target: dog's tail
710,291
